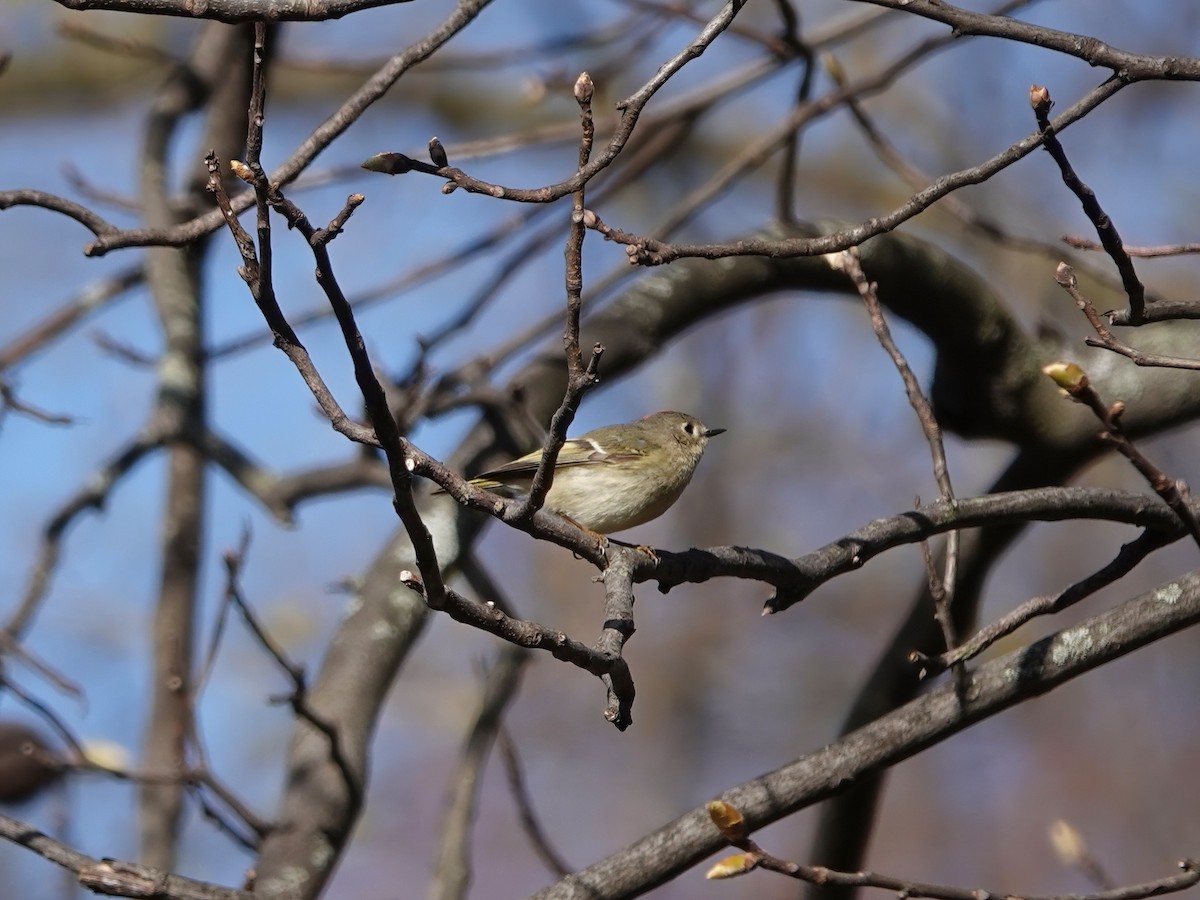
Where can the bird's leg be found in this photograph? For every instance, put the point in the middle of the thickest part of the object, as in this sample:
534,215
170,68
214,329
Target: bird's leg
601,540
649,551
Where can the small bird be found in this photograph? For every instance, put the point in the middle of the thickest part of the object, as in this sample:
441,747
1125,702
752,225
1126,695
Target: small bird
616,476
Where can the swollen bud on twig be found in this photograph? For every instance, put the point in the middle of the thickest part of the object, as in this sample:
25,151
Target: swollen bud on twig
1067,376
241,170
738,864
437,153
728,820
1039,97
397,164
107,755
584,89
1064,275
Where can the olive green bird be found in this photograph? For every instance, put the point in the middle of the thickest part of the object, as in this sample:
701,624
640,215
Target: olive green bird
617,476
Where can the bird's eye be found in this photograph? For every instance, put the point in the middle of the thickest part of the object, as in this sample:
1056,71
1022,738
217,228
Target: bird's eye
689,427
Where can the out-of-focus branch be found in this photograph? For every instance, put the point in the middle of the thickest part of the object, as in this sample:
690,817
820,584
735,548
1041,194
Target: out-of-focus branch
11,403
452,871
1144,252
92,496
93,297
216,75
529,820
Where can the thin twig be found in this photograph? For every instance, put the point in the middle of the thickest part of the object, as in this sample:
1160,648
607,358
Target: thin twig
257,278
92,495
630,108
1080,243
401,456
1065,276
643,250
1076,386
941,588
93,297
1127,559
452,870
889,154
530,823
733,828
579,377
1039,98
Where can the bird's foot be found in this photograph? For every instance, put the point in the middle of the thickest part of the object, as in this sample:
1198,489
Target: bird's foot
649,551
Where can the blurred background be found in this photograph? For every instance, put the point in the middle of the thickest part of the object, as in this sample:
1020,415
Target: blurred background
820,441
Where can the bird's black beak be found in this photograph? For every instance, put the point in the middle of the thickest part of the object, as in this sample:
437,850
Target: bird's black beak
713,432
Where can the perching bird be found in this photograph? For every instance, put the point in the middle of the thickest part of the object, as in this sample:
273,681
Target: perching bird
616,476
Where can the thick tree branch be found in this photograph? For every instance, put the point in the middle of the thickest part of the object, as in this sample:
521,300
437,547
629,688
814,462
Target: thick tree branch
994,687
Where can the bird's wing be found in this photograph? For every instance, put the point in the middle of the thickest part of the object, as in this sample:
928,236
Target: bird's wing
575,452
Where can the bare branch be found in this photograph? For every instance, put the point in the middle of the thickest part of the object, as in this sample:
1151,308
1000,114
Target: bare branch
112,877
648,251
1039,97
452,871
631,108
580,378
1127,559
754,857
941,589
233,11
1143,252
529,820
1130,66
1077,387
917,725
1065,277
